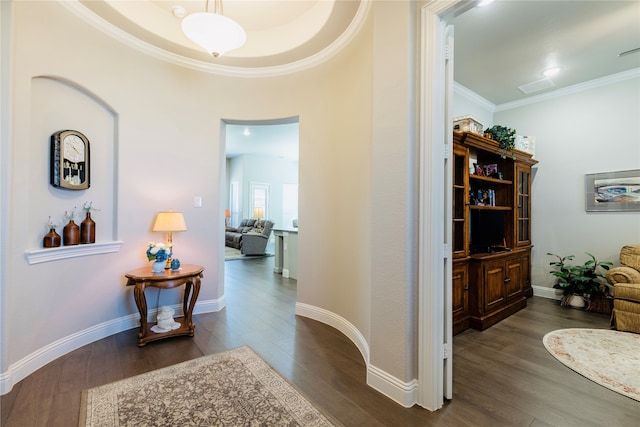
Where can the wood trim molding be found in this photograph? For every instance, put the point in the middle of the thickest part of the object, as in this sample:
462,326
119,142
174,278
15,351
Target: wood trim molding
401,392
340,323
404,393
546,292
431,269
63,252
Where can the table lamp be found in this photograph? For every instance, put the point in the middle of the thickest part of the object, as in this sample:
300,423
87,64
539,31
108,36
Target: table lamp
227,217
169,222
258,213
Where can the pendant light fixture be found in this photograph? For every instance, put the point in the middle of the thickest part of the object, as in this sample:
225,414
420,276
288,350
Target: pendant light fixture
214,32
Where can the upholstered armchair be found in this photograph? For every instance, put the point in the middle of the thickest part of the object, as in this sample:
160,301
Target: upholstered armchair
233,236
626,290
254,243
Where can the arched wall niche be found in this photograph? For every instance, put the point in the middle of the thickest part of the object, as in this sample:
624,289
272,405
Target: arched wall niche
60,104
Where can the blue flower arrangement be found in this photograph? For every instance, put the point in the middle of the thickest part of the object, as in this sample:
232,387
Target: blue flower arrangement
159,251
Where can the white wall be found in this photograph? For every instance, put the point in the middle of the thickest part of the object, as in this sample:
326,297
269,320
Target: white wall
274,171
234,174
590,128
591,131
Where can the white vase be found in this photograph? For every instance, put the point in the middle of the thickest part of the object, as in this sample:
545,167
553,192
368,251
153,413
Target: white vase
158,266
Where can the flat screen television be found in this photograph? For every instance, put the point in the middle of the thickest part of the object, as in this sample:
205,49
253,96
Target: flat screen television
486,233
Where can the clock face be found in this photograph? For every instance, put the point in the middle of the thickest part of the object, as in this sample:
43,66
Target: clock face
73,148
70,160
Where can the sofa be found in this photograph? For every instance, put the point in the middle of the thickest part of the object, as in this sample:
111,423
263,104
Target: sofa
247,238
626,290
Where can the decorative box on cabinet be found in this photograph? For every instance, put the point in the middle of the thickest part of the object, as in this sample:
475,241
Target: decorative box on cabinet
488,286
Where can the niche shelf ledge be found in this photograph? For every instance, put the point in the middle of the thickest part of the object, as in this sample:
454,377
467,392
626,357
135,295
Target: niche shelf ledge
38,256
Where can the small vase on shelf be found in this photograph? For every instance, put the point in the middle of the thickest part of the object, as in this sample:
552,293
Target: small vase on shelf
88,230
51,239
71,234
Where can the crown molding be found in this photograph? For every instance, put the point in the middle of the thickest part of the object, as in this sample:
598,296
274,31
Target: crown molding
111,30
473,97
580,87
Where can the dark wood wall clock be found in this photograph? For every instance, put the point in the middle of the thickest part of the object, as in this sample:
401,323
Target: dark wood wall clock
70,163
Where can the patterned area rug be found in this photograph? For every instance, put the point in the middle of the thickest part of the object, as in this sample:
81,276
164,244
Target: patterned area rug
233,388
609,358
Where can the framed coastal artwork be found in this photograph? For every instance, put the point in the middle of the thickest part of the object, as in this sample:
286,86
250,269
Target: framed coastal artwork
613,191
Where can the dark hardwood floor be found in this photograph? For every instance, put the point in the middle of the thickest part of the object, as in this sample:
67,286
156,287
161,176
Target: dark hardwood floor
502,376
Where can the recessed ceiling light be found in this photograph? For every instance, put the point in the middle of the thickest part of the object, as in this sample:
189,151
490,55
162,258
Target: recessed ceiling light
551,71
483,3
246,131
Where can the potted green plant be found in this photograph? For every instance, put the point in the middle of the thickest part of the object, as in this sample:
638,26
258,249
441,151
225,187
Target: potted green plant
582,281
504,136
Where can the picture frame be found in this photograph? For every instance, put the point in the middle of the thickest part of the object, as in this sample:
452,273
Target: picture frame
491,170
613,191
479,170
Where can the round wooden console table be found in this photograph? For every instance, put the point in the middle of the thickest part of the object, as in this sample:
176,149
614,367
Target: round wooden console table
188,275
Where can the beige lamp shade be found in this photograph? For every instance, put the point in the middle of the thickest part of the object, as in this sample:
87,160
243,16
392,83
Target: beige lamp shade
169,221
258,212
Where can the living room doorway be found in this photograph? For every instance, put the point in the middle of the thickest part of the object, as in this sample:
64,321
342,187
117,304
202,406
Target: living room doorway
260,173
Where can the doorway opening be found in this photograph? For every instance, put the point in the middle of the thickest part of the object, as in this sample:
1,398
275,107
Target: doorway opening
261,173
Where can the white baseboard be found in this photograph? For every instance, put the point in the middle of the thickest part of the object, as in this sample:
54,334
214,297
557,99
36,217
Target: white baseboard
403,393
338,322
210,306
406,394
36,360
545,292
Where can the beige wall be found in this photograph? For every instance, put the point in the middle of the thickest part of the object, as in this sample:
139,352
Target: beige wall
394,230
166,150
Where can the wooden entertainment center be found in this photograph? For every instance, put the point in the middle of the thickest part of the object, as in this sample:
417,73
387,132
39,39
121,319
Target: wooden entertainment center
491,231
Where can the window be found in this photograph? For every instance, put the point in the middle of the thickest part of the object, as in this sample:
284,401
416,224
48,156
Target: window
259,199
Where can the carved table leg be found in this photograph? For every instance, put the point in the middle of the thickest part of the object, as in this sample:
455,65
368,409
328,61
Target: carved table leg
141,302
191,291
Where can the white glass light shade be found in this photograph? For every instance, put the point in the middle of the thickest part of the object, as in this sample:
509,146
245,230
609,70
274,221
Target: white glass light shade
215,33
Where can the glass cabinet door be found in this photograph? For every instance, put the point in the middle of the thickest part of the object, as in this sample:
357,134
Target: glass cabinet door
460,200
523,210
